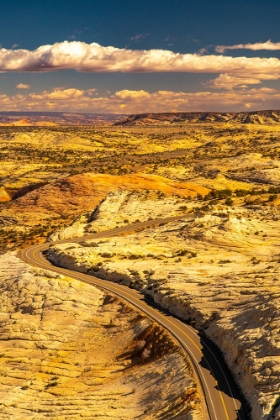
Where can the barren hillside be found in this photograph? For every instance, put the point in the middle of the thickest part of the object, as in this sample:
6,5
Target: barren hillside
257,117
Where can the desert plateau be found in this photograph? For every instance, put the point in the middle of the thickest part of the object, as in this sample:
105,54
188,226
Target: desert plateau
210,181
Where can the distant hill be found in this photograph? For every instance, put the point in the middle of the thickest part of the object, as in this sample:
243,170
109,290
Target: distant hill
166,118
29,118
24,122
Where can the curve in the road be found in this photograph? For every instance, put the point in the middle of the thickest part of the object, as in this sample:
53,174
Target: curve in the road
223,400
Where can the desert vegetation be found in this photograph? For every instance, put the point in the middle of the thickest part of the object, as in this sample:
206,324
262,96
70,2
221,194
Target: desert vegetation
238,163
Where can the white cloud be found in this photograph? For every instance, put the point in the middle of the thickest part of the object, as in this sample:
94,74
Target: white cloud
59,94
231,81
22,86
131,102
132,94
96,58
268,45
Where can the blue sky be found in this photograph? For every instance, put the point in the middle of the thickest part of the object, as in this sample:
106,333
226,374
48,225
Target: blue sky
166,56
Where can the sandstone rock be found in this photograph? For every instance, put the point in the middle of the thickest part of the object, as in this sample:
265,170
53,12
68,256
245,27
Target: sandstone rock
122,207
54,203
219,271
69,350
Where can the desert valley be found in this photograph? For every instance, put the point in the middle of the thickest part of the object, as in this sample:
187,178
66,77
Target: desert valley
69,350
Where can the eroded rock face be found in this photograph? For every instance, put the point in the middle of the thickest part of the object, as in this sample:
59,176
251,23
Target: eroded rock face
219,271
70,351
153,118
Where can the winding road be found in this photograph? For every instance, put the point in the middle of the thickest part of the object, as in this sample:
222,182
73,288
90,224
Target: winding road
223,400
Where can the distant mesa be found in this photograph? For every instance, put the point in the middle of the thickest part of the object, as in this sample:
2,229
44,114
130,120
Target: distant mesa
24,122
36,118
256,117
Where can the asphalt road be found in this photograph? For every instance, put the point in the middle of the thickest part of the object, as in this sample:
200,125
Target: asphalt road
222,397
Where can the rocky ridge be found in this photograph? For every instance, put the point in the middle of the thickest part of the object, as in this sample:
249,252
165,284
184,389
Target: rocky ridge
255,117
127,207
219,271
46,205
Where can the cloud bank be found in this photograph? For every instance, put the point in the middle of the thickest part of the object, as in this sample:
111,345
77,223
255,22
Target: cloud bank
234,75
140,101
95,58
268,45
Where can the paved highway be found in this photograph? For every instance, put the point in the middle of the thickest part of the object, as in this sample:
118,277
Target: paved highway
222,398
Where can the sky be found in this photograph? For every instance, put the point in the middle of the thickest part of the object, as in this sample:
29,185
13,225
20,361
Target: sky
135,56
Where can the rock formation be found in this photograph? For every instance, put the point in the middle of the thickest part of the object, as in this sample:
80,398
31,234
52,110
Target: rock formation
219,271
44,206
69,350
254,117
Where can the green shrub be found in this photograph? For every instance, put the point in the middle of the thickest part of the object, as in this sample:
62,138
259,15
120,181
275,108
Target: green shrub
229,202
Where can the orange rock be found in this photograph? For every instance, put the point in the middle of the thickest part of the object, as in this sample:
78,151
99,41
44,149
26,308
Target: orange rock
4,196
79,193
